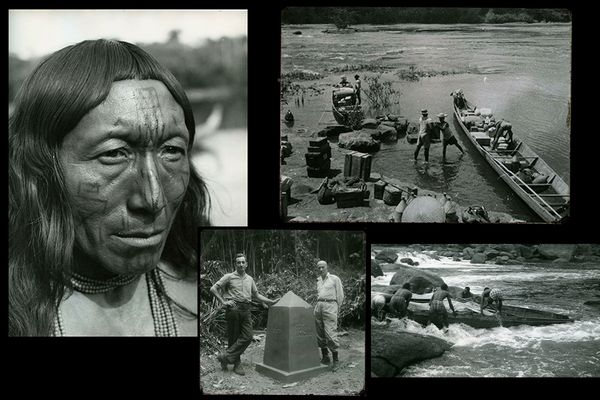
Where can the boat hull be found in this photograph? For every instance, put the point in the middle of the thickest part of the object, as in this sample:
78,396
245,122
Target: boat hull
550,210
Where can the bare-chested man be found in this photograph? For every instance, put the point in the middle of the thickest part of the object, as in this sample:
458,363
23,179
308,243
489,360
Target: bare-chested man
400,300
437,311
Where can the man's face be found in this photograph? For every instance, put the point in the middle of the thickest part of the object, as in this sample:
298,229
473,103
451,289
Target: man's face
126,169
240,264
322,269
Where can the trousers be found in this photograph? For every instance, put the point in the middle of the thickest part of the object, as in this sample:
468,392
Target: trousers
326,314
239,331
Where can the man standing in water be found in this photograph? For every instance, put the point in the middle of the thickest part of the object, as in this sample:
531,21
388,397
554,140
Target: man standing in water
437,311
447,136
239,289
329,299
357,87
400,300
424,140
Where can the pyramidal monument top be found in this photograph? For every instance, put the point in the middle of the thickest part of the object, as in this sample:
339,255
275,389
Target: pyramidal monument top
290,299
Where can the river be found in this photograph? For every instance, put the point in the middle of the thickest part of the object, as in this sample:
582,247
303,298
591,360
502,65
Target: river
521,71
564,350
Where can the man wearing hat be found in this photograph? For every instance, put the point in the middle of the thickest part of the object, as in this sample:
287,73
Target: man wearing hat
447,136
344,82
424,140
503,129
330,296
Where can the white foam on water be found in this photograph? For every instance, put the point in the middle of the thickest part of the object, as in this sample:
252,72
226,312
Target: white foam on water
519,337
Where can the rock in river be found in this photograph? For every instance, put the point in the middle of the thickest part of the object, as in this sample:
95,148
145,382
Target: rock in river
391,351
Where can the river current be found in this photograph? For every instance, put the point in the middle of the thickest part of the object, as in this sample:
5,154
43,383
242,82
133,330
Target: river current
521,71
563,350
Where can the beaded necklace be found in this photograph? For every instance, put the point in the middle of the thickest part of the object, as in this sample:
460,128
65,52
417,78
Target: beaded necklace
160,306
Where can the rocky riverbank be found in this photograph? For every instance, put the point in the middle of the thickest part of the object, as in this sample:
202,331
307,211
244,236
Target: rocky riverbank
497,253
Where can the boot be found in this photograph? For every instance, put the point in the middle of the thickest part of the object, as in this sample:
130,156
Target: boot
325,359
237,368
336,361
222,357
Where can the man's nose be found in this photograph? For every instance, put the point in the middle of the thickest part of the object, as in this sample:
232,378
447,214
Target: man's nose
148,194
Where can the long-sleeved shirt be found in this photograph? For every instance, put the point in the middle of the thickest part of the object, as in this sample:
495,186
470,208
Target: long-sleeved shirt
330,288
425,126
237,288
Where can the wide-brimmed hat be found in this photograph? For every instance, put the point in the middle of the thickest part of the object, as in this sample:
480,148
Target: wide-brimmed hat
442,115
424,111
343,77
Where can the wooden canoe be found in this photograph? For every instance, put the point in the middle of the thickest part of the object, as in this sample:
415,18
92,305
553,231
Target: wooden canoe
348,114
511,316
550,200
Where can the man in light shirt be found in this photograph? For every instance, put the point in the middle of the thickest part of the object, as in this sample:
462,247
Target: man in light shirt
330,298
238,289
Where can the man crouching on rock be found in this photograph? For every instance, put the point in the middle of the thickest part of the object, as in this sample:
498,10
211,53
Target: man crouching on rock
238,290
330,298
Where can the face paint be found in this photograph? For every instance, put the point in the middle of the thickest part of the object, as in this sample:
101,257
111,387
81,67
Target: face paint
127,169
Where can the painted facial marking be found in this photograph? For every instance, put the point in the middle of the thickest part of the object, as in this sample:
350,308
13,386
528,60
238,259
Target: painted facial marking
149,115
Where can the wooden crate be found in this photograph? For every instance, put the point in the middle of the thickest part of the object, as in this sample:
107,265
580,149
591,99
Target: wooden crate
378,189
392,195
358,165
316,160
350,199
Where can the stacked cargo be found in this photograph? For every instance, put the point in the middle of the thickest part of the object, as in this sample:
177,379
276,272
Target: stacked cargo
318,158
358,165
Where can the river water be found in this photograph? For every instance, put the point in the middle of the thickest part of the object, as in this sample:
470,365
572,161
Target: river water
565,350
521,71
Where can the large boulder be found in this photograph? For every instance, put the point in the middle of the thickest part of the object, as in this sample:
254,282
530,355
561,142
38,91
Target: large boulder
376,268
526,251
420,285
369,123
387,255
359,141
425,285
407,260
392,351
478,258
553,251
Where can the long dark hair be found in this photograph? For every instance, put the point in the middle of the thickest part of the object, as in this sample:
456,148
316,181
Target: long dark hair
53,99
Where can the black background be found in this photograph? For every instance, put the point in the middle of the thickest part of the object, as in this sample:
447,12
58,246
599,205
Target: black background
170,367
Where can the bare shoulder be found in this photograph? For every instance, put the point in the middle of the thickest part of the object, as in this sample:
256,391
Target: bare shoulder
182,289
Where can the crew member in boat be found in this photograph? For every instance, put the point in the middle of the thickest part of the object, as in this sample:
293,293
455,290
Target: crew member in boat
489,297
447,136
437,311
466,293
459,98
344,82
400,300
503,129
424,139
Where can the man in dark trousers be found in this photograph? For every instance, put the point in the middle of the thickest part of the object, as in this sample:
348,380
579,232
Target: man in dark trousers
238,290
447,136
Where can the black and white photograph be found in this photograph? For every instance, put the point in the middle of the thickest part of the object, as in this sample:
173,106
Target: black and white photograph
449,115
282,312
127,131
485,310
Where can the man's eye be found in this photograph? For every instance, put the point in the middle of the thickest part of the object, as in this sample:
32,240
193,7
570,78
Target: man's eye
173,153
114,156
